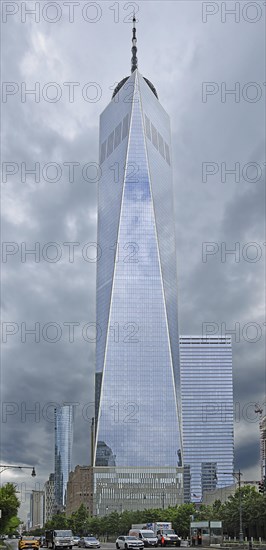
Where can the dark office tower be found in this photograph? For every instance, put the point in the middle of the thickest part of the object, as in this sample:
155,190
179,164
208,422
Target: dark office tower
63,452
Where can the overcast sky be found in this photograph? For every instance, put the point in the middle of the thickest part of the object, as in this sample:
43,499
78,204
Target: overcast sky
193,53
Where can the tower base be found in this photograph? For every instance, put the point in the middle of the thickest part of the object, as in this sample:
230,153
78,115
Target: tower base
136,488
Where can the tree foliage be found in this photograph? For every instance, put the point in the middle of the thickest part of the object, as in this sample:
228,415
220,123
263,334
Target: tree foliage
115,523
12,525
253,511
9,504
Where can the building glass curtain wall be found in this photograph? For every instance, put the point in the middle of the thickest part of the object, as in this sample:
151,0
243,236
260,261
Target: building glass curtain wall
63,451
207,412
137,375
263,447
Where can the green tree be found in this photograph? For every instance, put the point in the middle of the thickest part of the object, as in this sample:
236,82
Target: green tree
58,521
79,521
12,525
9,504
253,512
181,519
94,525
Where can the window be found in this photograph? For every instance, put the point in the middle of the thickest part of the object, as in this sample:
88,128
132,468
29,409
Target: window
148,127
125,127
103,152
118,135
161,144
167,153
110,144
154,136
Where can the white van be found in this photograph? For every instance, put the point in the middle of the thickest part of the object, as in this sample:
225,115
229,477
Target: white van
146,535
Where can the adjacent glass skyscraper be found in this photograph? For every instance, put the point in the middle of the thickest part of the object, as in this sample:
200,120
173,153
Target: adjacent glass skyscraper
63,451
137,375
207,413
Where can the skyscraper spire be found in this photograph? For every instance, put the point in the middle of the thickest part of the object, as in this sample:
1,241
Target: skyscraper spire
134,64
134,59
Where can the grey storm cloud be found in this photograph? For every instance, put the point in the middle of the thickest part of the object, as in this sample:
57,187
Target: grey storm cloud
178,53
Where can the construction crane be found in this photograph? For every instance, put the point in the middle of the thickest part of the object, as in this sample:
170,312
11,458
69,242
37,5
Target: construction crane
258,409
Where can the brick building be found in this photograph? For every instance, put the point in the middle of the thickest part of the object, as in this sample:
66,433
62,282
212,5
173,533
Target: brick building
80,489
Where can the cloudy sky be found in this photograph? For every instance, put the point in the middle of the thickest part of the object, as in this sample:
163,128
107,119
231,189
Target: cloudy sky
72,54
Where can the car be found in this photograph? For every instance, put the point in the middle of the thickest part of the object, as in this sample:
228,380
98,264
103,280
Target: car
128,541
88,542
76,541
28,541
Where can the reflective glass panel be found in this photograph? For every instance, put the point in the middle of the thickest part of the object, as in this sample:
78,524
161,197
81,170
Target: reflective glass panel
118,134
167,153
110,144
148,127
63,450
161,144
103,152
125,126
138,396
207,411
154,136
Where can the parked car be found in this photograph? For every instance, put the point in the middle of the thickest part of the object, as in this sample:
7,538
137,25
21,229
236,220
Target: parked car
127,541
76,540
88,542
28,541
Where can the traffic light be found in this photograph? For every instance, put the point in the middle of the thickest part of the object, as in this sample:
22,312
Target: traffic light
262,486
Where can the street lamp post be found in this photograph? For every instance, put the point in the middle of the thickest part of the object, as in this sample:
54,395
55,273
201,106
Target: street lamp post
238,476
7,467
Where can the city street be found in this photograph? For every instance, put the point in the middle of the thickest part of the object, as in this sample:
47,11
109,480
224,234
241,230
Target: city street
13,545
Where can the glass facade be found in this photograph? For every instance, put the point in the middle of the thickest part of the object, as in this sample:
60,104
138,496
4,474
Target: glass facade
119,489
63,451
137,373
207,412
